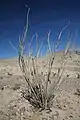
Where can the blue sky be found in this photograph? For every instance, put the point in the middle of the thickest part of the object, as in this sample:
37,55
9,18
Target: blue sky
44,15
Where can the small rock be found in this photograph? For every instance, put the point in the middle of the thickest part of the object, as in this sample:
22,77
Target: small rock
1,78
77,92
10,74
67,75
16,87
78,75
70,116
2,87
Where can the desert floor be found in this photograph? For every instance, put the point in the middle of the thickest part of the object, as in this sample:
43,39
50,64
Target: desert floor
66,104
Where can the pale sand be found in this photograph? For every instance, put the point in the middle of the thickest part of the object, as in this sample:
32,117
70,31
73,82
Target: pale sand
66,105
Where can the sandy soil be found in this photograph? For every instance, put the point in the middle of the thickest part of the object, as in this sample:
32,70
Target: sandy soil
66,105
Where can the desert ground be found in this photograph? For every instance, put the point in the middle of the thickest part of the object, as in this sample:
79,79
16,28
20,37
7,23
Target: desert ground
66,104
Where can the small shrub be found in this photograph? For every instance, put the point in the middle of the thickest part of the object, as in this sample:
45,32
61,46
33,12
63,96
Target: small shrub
40,93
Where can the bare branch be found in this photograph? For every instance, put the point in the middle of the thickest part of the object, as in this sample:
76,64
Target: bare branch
26,28
60,34
49,46
30,50
11,44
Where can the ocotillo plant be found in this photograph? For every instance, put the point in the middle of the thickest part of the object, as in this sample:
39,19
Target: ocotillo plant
37,92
